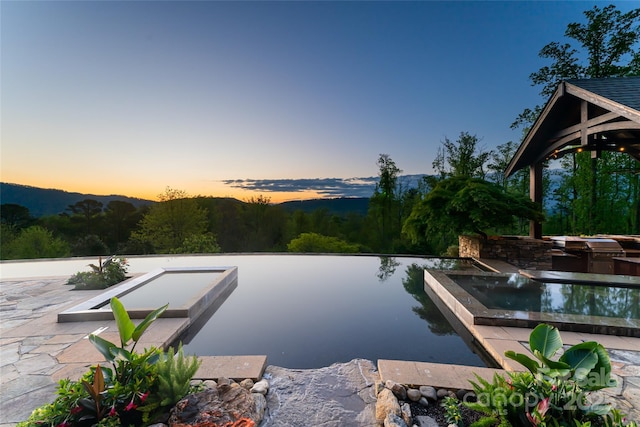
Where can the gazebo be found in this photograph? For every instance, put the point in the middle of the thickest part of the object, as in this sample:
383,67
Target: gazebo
592,115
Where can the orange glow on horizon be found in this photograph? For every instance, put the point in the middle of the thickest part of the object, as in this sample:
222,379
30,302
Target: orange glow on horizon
151,191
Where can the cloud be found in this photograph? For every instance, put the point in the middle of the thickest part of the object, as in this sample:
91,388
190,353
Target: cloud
326,187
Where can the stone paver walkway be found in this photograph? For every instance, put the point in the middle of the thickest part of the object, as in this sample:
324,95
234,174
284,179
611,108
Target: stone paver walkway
36,351
455,377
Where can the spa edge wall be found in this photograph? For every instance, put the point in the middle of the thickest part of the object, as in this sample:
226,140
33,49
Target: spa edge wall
523,252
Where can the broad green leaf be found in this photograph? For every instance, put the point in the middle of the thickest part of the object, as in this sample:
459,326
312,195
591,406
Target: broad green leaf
581,360
552,364
125,325
598,409
151,317
105,347
555,372
545,339
603,368
121,353
153,358
595,372
524,360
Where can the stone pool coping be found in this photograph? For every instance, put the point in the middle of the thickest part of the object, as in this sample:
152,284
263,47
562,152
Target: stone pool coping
197,304
472,312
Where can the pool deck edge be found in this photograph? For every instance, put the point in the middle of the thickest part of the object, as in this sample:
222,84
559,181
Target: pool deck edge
455,377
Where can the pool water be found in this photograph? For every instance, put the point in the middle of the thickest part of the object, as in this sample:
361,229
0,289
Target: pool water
309,311
519,293
181,286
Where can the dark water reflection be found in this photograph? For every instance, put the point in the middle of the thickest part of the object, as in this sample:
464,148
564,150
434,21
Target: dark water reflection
521,294
312,311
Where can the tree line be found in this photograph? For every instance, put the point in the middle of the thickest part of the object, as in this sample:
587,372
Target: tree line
467,193
179,223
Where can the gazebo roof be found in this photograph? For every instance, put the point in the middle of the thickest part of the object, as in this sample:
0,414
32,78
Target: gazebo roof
584,115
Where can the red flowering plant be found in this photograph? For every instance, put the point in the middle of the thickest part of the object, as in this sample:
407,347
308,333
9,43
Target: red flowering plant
556,391
129,393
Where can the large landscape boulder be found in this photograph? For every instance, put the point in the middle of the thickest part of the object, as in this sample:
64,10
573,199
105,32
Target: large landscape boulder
335,396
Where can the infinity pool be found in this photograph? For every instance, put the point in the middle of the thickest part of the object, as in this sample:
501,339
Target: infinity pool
309,311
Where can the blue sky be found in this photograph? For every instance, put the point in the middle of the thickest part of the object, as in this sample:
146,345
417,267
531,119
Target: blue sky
132,97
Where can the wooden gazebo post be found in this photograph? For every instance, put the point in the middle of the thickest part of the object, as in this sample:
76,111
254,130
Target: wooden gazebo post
535,192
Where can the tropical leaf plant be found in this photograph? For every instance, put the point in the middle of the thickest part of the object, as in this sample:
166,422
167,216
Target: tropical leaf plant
554,391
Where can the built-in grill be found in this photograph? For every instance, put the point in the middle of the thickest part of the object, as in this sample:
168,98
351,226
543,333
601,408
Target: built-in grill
600,255
585,255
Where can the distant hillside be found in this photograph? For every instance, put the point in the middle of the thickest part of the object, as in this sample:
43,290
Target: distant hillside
339,206
44,202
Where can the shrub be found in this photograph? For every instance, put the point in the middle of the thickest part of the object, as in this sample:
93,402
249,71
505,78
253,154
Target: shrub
452,251
452,414
314,242
103,275
174,376
199,244
35,242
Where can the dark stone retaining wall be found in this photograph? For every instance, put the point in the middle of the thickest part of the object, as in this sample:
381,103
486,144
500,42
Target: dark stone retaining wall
523,252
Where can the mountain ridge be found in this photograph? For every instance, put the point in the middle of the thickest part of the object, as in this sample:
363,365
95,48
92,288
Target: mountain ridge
50,201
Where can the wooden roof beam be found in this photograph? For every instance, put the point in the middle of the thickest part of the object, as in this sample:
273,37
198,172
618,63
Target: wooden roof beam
603,102
557,146
591,122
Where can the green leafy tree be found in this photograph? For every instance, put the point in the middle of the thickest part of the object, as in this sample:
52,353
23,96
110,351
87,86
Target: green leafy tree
225,222
168,223
60,225
498,162
299,222
36,242
265,225
384,205
354,228
314,242
120,219
7,236
14,215
461,158
87,212
461,204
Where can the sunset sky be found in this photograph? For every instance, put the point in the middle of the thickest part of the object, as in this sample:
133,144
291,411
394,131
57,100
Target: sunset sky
285,99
